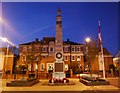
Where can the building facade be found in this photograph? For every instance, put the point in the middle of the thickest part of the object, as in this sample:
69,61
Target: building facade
39,56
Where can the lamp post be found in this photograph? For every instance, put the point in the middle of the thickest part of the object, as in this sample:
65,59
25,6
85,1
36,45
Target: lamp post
9,43
87,41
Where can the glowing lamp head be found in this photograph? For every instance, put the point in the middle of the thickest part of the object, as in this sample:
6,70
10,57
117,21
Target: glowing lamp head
87,39
5,39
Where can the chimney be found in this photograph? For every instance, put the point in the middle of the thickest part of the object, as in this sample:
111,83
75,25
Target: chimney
36,40
68,40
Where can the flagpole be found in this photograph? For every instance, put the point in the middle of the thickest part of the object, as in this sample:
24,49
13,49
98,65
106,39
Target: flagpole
103,61
102,56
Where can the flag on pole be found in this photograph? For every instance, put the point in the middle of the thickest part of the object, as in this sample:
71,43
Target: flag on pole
99,34
101,60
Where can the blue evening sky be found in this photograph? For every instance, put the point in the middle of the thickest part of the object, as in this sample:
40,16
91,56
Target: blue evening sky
25,21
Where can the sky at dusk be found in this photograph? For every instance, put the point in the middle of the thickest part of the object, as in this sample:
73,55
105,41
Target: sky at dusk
25,21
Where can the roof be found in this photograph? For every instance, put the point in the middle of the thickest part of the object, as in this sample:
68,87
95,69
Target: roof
47,40
70,43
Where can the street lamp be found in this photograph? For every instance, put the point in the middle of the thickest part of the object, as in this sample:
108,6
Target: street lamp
87,41
6,40
9,43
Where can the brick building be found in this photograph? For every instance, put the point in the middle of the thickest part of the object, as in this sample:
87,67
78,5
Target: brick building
108,60
43,55
9,58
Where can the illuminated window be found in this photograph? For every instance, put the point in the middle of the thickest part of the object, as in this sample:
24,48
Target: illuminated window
29,67
42,67
66,67
23,58
35,67
78,58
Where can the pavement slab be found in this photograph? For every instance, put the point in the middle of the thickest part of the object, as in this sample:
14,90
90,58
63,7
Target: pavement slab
78,87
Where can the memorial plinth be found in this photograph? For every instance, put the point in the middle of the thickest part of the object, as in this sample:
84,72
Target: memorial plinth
58,72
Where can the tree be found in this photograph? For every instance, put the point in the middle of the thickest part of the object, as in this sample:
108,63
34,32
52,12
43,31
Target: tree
33,55
91,53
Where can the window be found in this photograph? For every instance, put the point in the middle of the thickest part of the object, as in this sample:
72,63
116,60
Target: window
36,49
50,66
23,58
78,49
30,49
24,49
35,67
66,49
73,58
66,67
29,67
73,49
42,66
66,58
44,49
36,58
21,48
51,49
78,58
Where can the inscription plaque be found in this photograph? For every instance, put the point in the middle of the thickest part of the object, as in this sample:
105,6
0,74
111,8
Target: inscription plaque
58,67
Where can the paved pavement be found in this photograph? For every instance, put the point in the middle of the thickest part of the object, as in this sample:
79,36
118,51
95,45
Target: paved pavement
114,81
78,87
